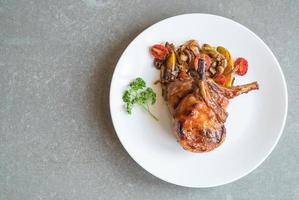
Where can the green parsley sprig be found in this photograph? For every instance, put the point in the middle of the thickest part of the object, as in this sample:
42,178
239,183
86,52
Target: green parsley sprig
138,93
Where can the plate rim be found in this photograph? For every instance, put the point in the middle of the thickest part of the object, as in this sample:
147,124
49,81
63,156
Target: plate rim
284,87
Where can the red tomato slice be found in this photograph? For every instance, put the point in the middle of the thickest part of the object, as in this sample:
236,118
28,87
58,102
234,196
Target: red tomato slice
202,59
242,66
159,51
220,79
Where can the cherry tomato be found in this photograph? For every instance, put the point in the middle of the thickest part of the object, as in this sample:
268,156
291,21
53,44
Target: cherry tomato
242,66
202,59
159,51
220,79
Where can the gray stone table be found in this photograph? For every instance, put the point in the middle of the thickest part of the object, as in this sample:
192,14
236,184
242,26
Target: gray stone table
56,62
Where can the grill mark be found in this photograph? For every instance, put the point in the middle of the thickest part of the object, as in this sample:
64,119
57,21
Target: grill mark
180,129
216,136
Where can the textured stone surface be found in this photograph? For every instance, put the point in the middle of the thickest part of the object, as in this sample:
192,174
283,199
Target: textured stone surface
56,62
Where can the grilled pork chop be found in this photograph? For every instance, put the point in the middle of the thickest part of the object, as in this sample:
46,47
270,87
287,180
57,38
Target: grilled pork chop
198,109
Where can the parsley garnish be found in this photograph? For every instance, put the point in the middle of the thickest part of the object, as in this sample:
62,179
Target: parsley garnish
138,93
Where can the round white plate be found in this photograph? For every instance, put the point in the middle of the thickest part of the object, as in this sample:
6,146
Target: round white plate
255,121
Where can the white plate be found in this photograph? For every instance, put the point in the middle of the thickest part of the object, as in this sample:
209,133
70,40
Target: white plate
255,121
